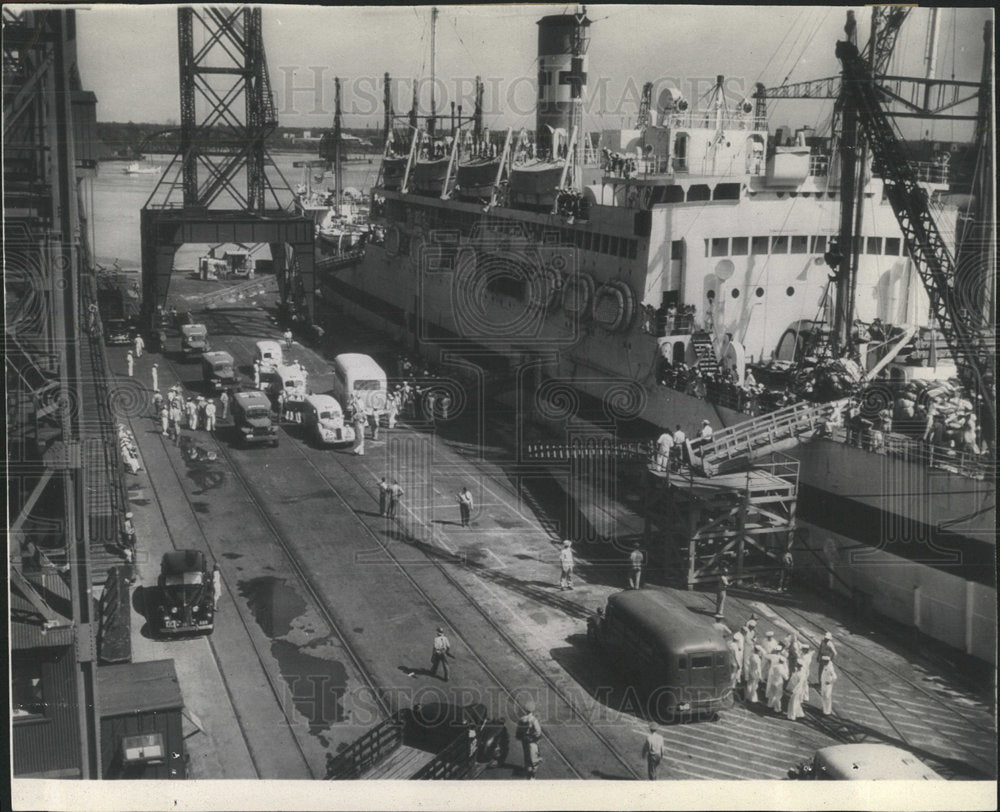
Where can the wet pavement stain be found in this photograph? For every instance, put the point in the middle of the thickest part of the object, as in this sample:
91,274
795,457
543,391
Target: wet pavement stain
317,686
199,507
302,497
359,629
274,604
142,502
232,556
203,467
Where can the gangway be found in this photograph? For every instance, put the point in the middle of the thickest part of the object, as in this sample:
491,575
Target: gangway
739,446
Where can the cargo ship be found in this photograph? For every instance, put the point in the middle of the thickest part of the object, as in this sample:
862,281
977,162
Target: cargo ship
662,274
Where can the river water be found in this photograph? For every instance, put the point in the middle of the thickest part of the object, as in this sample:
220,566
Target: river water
118,198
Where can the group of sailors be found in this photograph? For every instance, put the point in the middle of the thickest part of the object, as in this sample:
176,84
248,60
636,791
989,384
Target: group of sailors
176,412
777,673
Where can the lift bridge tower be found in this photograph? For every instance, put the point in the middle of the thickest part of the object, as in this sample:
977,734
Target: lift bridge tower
222,185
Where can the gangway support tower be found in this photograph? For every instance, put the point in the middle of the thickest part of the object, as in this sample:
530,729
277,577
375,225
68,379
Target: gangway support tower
745,520
222,185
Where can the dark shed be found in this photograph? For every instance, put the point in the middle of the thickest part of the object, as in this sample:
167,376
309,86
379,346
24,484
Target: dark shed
141,726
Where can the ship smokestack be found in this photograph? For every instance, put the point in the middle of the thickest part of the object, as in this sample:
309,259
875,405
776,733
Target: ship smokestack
562,75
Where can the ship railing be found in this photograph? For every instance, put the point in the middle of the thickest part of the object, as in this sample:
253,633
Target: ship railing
910,449
706,119
927,171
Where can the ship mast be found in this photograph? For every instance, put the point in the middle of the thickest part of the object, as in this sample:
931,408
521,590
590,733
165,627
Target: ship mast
430,121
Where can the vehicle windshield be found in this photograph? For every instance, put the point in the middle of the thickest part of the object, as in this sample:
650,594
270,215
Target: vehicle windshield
185,579
224,369
326,415
257,412
292,384
368,386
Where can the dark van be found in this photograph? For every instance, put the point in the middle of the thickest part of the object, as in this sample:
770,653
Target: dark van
252,416
218,370
676,659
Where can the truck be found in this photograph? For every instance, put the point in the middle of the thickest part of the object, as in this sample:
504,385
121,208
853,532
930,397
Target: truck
218,371
252,417
433,740
194,339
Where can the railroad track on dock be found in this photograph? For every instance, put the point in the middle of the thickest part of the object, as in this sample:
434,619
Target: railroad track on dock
260,505
304,581
501,633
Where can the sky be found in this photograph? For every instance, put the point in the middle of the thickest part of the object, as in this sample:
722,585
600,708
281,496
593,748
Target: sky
128,57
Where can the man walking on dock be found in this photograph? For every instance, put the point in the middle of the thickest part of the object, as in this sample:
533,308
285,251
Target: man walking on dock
636,559
720,590
529,733
210,416
440,653
827,676
383,496
395,494
140,345
224,400
156,377
566,565
130,363
652,750
465,505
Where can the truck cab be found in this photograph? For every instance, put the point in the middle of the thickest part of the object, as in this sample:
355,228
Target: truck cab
290,379
252,417
194,339
218,370
323,418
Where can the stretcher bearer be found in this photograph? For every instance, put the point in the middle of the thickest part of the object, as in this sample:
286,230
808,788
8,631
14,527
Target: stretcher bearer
796,692
752,673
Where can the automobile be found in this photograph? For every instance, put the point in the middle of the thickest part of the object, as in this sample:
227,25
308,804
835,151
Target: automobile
186,594
252,417
864,762
218,370
118,331
428,740
194,339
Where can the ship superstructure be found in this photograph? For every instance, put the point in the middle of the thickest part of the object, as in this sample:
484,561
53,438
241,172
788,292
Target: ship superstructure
698,241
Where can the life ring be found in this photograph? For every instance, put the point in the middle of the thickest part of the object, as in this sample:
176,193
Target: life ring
546,288
614,306
392,241
577,294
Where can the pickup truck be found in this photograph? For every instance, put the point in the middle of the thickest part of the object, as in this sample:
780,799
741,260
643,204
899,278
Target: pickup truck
428,741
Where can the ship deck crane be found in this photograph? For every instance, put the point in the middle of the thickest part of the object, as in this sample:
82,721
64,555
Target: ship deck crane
958,317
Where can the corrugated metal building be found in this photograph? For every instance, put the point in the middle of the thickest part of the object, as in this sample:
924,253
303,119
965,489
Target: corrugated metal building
46,734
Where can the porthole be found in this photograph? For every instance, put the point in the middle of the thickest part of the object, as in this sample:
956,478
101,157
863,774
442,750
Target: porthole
789,291
736,293
759,292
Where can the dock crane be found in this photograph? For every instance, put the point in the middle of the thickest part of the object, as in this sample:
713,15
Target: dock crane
959,319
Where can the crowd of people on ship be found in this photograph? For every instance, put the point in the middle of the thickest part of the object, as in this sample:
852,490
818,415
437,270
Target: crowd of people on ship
615,163
418,394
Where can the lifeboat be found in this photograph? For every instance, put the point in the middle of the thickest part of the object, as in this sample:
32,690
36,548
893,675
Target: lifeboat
429,176
393,170
614,306
535,183
476,177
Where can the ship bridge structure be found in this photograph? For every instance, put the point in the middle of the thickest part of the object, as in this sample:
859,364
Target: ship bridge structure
222,185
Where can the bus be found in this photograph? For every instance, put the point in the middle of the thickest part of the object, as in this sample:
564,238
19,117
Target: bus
678,660
358,374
